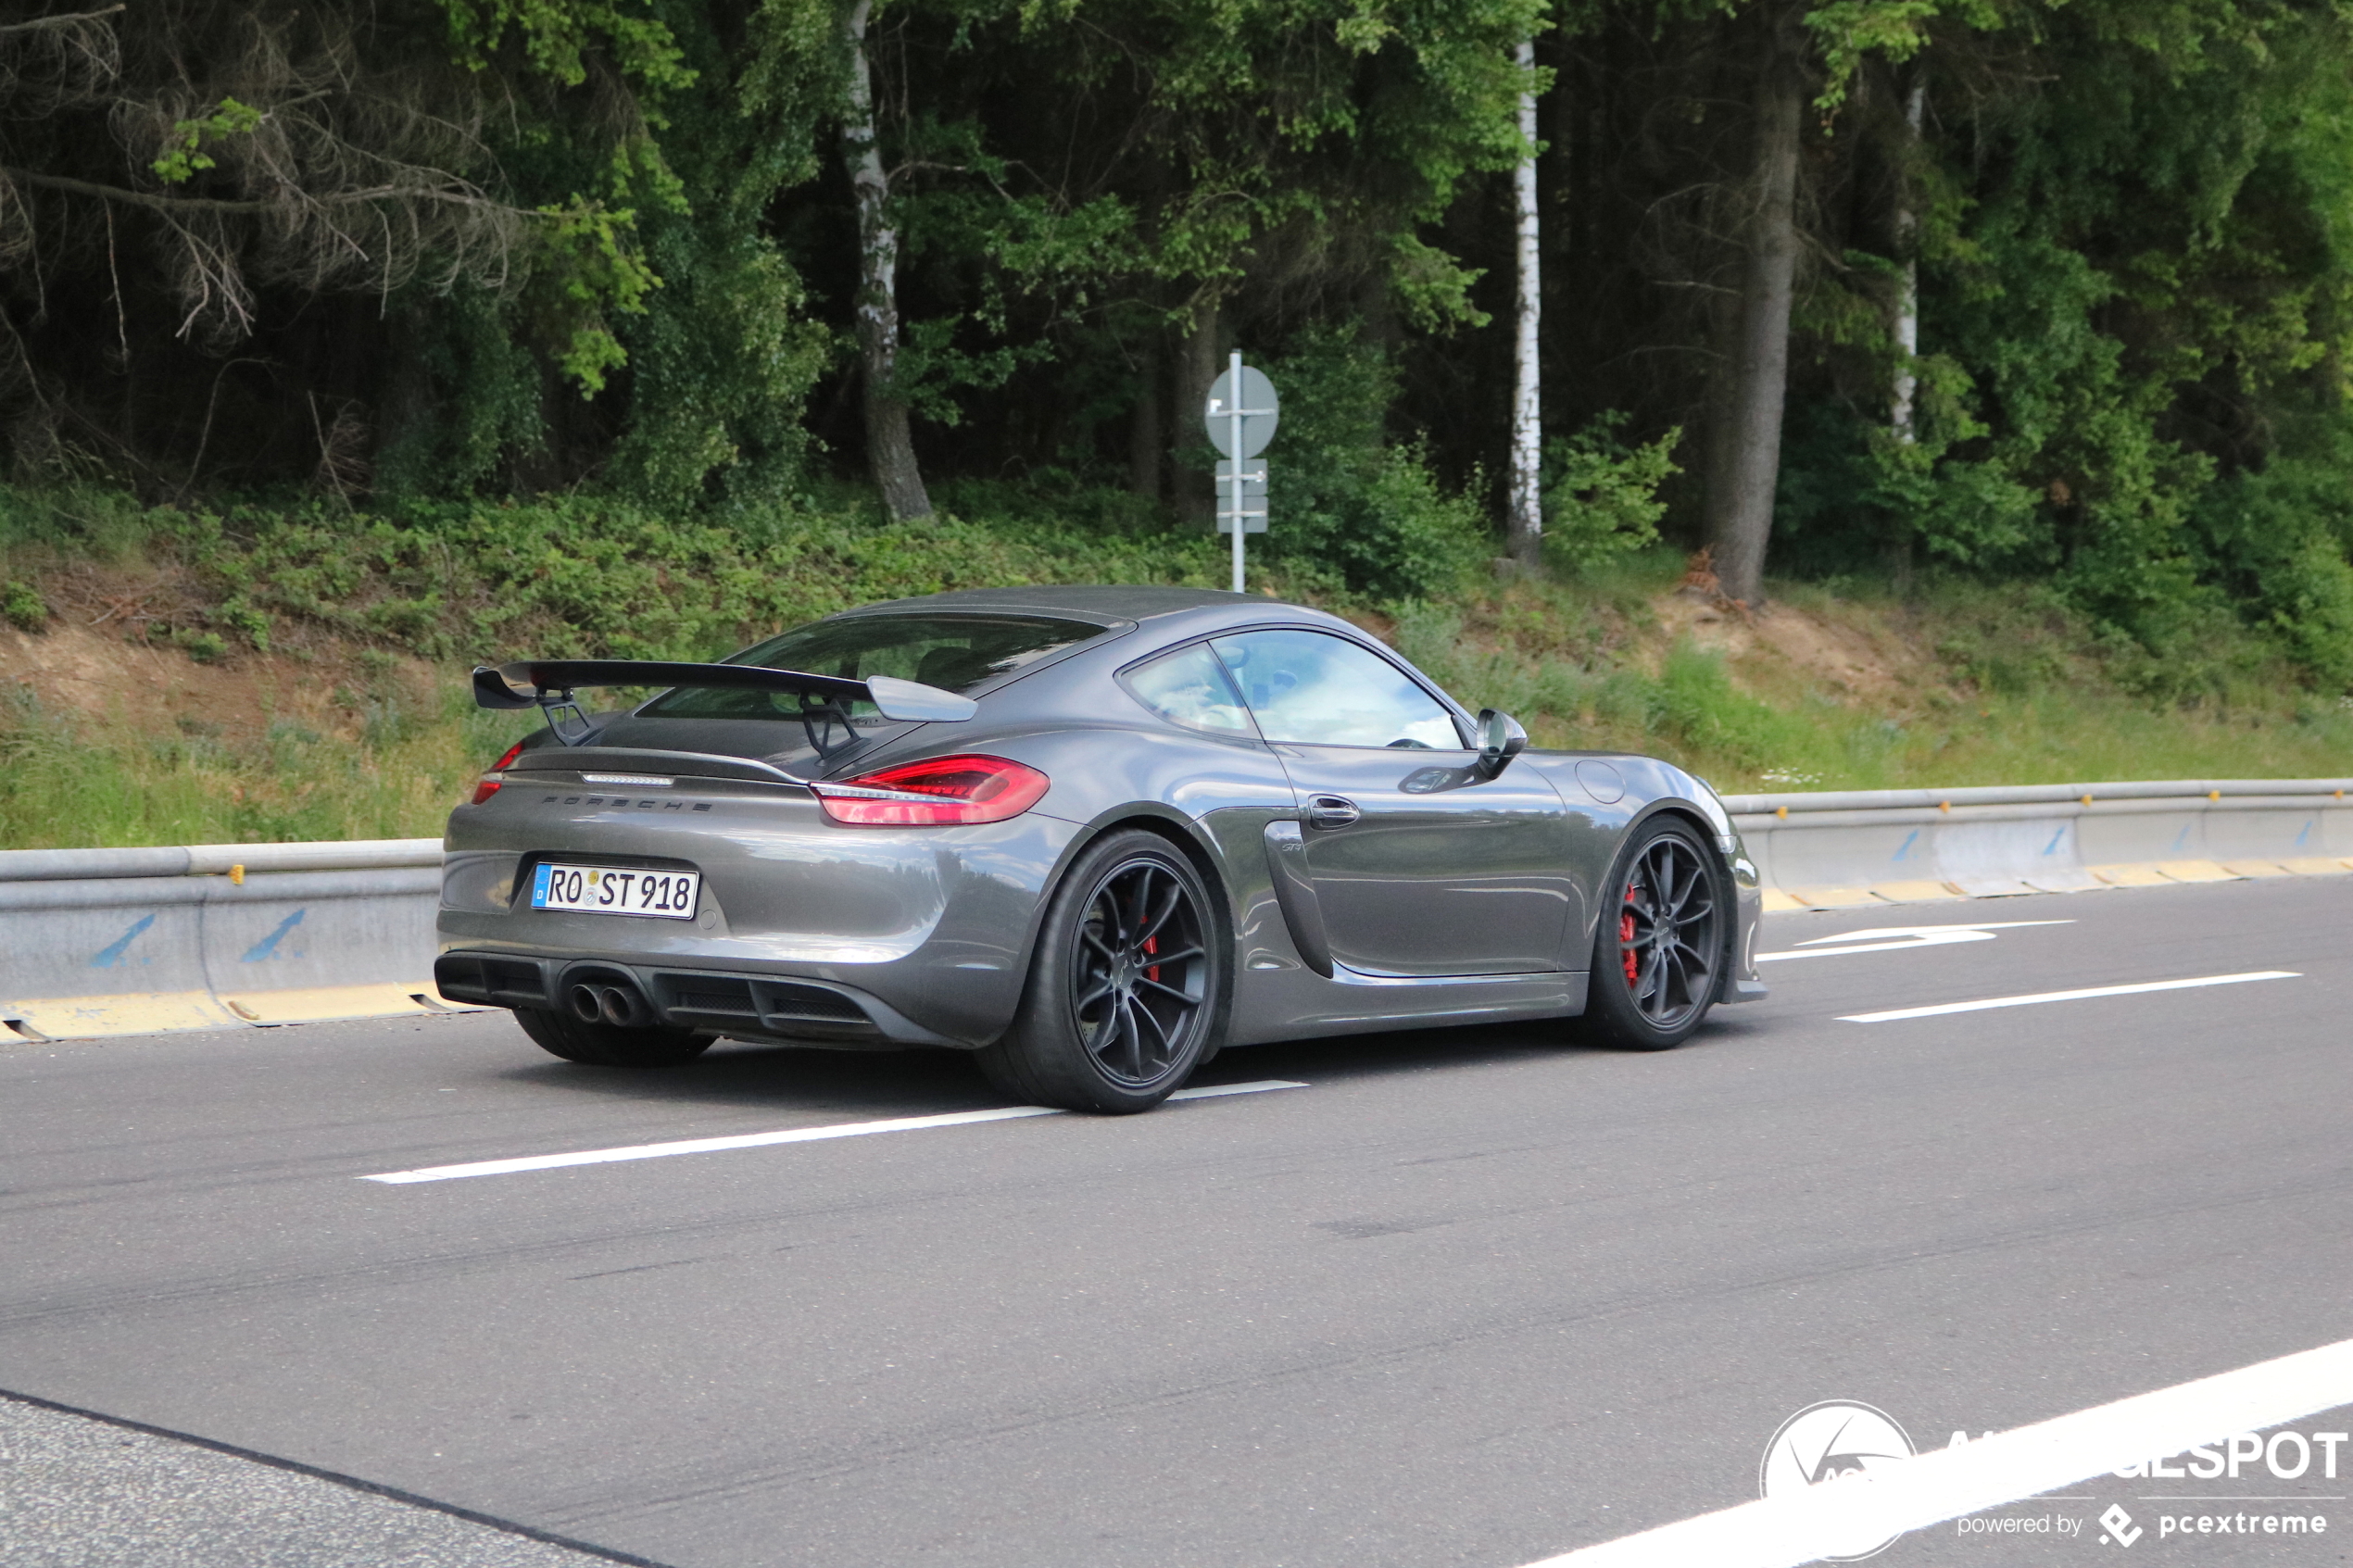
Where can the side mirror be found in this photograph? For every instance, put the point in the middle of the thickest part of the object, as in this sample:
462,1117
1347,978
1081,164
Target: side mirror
1500,739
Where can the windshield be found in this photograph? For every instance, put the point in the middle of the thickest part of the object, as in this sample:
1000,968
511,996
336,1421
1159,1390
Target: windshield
952,652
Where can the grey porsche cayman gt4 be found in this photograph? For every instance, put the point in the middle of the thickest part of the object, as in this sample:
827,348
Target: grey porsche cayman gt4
1090,836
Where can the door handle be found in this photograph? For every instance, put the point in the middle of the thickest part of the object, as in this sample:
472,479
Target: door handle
1330,811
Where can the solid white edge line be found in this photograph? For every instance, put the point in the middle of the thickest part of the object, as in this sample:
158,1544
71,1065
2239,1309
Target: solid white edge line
764,1140
2145,986
2006,1468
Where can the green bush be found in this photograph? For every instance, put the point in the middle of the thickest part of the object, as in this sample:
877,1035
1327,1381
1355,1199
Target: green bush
461,581
2276,540
1600,497
22,607
205,648
1347,503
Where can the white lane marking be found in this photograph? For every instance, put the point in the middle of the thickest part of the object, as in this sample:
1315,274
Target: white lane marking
1893,1014
1903,936
2006,1468
762,1140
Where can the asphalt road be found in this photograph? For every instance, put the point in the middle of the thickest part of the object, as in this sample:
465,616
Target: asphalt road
1470,1296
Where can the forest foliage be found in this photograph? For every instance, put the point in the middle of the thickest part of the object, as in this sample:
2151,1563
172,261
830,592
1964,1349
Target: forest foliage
408,259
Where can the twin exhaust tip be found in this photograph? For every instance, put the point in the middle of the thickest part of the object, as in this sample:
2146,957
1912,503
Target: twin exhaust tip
617,1005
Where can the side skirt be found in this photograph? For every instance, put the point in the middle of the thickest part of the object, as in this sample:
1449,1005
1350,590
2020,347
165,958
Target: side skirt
1305,1004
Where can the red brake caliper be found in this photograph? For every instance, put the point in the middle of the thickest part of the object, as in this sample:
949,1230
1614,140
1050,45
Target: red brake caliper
1626,934
1152,944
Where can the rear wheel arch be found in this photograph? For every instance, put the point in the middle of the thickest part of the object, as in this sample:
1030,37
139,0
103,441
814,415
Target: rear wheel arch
1128,885
1204,859
1183,835
1179,830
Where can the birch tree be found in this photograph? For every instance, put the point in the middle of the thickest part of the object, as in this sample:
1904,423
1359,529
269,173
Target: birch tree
1524,529
890,449
1907,282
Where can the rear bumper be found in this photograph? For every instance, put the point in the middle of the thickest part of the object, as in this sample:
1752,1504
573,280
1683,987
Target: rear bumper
763,1006
925,931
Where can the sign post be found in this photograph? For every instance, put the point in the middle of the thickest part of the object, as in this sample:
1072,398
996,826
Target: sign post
1240,417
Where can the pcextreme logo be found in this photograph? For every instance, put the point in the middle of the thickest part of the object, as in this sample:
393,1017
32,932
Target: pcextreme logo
1834,1440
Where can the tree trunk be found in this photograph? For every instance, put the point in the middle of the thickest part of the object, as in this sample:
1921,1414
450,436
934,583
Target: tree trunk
1908,291
1740,504
890,451
1197,369
1144,436
1524,529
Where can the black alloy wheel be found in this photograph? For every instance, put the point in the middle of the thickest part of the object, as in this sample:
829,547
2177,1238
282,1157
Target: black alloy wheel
1126,991
1136,980
1659,952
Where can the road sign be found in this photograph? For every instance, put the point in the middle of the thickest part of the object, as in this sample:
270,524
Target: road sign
1253,497
1240,420
1253,477
1259,411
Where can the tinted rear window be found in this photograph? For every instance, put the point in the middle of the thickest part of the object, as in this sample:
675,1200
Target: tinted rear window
952,652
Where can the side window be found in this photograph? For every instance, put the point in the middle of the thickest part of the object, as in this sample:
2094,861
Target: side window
1190,688
1312,689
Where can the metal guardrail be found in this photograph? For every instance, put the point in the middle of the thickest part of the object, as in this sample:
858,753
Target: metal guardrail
2212,791
216,860
97,942
1838,849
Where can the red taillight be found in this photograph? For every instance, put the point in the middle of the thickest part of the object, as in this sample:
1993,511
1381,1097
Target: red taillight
928,794
496,776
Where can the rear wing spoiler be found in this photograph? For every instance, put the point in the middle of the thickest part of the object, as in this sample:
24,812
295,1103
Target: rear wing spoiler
548,682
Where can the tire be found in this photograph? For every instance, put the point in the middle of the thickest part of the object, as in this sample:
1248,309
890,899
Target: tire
1658,948
1127,988
602,1045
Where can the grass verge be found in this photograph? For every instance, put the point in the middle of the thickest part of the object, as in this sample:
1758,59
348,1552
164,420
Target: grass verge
293,671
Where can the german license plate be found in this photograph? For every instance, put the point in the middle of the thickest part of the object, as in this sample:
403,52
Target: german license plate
616,890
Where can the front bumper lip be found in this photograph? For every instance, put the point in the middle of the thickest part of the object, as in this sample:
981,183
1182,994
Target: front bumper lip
745,1006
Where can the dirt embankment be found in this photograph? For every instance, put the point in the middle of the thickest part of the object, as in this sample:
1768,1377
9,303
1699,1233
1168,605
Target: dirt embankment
1854,656
134,648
